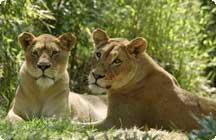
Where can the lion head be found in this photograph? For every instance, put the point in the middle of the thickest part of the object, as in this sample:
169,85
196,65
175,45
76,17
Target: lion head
115,61
46,56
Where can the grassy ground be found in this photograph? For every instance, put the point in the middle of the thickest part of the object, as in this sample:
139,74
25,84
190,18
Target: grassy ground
63,129
42,129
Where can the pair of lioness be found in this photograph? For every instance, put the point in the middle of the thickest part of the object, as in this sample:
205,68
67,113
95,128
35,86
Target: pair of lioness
140,92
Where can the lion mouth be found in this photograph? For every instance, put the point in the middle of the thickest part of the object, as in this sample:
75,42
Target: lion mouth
96,84
45,76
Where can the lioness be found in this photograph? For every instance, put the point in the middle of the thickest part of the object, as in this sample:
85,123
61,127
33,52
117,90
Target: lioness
43,89
140,92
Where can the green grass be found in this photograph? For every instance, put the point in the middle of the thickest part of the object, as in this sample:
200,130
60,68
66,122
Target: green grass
207,131
57,129
42,129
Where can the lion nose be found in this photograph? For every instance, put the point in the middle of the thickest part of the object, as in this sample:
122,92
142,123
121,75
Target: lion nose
43,66
97,76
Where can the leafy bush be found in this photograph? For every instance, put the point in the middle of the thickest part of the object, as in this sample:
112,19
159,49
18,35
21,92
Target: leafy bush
208,39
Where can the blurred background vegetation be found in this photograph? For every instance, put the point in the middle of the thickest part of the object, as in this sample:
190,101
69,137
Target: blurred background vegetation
181,36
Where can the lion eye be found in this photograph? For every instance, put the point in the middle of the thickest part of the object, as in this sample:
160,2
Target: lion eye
55,53
117,61
34,54
98,54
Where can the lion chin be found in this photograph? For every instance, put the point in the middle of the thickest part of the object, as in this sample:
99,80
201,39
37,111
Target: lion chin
45,82
96,89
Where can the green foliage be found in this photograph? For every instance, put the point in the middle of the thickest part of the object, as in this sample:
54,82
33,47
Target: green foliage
207,131
208,39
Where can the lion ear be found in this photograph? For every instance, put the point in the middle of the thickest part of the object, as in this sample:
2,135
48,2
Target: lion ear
25,39
67,40
100,37
137,46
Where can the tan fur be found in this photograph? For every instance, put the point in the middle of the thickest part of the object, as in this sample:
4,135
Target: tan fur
140,92
46,93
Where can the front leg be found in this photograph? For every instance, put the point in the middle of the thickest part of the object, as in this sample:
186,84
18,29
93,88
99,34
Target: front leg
13,117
